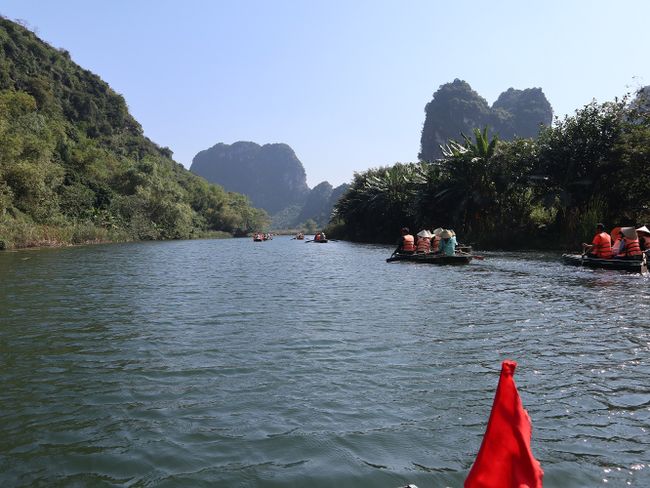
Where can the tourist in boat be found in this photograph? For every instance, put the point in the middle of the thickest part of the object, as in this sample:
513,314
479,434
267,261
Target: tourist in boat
601,244
644,238
423,245
406,244
435,240
447,244
618,242
630,248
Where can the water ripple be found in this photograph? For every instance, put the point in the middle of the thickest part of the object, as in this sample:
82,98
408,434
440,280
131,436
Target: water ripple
228,363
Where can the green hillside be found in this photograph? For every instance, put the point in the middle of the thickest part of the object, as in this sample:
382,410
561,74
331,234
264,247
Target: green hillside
75,166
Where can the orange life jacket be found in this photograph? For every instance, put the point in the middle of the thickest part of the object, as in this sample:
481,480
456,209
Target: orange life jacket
408,243
602,246
632,247
424,244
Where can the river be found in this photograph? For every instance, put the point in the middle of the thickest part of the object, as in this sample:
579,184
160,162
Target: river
292,364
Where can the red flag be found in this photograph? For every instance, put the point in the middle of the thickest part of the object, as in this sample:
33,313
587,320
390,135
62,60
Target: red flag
505,459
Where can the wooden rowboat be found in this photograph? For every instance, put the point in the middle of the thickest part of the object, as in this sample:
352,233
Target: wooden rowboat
432,258
631,265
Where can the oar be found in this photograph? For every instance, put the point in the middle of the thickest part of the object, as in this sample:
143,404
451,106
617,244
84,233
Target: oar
474,256
306,241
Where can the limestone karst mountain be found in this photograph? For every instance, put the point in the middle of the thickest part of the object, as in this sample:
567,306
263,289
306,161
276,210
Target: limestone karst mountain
456,108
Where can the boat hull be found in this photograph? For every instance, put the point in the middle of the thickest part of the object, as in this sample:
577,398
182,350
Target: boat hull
633,266
431,259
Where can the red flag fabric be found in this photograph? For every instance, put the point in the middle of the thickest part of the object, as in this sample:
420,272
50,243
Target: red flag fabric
505,459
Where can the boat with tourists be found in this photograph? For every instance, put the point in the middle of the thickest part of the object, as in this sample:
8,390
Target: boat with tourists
623,249
432,258
259,237
620,264
320,237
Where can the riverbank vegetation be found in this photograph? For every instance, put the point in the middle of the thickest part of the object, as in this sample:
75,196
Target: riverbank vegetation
545,192
75,166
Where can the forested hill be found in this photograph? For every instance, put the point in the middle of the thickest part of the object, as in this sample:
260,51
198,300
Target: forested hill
274,179
271,175
456,108
76,167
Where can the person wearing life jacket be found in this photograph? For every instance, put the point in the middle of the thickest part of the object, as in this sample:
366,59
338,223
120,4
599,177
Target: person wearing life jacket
423,245
317,236
630,248
601,244
618,243
406,243
435,240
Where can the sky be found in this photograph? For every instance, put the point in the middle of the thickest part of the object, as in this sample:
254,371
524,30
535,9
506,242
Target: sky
343,82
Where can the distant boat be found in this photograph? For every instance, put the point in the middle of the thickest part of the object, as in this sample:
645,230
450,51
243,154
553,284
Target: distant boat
632,265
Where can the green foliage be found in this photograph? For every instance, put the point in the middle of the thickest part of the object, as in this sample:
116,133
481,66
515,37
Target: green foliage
380,201
75,167
310,226
576,154
548,191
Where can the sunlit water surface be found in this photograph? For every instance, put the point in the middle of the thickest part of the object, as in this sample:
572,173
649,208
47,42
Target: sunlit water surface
288,363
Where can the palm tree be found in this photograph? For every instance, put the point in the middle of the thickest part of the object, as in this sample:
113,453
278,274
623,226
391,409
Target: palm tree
467,185
380,201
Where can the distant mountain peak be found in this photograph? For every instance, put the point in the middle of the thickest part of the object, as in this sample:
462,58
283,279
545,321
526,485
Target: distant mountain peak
456,108
271,175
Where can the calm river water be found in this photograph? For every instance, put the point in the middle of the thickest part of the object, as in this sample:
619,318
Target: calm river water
290,364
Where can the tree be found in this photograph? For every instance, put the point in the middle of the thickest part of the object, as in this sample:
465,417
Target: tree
380,201
467,189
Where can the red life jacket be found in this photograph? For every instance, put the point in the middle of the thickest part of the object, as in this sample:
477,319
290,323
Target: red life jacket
632,248
408,243
602,246
424,244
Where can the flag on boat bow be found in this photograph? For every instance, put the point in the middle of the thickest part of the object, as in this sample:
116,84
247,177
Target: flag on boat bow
505,459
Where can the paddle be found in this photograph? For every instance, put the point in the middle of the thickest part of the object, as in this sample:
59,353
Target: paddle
474,256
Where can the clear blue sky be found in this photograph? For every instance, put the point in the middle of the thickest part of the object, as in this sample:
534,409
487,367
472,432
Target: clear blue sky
343,82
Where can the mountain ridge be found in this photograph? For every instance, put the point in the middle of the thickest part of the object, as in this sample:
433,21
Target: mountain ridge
272,176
